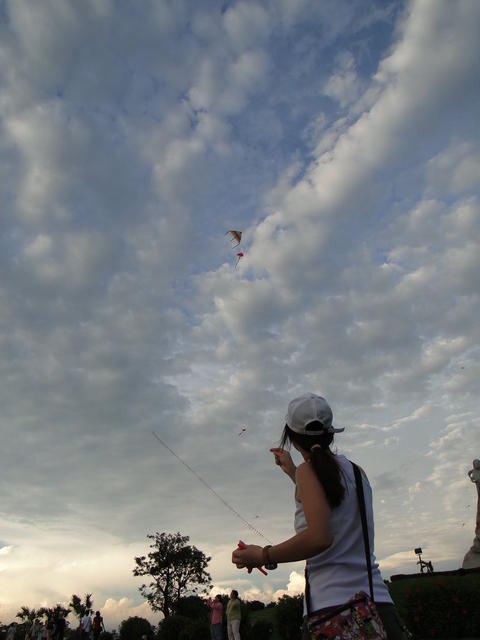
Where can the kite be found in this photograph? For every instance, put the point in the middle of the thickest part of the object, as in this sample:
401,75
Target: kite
236,237
242,431
239,257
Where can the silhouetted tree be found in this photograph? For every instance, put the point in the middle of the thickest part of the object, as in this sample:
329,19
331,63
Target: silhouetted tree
176,569
27,615
134,628
79,607
192,607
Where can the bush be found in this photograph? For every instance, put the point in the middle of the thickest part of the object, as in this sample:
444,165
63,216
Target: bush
289,612
195,630
261,630
434,609
170,628
134,628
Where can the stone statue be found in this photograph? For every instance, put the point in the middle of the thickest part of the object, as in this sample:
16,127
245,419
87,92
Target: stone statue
472,557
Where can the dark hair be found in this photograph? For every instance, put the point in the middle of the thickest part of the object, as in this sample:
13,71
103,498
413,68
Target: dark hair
235,593
322,459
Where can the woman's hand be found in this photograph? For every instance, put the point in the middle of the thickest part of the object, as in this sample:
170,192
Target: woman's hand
284,461
251,556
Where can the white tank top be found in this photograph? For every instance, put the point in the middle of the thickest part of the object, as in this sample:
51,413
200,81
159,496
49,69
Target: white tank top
339,572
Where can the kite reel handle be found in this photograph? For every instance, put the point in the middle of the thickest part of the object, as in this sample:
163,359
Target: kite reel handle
242,545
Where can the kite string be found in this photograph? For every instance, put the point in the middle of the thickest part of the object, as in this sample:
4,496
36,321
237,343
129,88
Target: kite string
205,484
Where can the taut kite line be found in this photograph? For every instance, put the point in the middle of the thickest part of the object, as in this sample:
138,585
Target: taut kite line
205,484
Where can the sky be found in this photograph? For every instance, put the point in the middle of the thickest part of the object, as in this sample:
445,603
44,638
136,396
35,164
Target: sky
342,138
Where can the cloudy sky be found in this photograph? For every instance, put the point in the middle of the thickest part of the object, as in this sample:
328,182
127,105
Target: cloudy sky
342,138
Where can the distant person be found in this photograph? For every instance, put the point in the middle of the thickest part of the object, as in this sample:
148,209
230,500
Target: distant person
234,616
86,625
49,628
216,608
11,631
33,633
328,525
34,629
97,625
60,625
40,630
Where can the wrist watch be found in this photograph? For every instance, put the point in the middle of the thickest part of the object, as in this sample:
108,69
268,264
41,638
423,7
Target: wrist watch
267,563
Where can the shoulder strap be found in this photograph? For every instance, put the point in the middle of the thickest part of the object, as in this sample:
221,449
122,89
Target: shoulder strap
363,515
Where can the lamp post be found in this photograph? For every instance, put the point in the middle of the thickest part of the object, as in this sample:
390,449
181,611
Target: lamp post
423,565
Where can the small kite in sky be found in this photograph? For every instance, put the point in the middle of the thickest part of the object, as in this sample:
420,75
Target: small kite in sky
242,431
239,257
236,237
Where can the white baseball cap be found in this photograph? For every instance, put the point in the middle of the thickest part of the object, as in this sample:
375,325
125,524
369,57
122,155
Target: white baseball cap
307,409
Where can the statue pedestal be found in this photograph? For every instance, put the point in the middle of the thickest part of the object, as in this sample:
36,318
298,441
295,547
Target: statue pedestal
472,558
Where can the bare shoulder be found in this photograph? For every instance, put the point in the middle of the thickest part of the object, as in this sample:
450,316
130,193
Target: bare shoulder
305,472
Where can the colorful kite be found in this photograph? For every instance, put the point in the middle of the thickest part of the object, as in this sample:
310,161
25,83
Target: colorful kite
236,237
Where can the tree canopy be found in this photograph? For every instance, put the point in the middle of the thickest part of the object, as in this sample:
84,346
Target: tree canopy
176,570
79,607
134,628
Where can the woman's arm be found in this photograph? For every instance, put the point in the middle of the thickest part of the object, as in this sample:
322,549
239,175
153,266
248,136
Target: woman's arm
314,539
284,460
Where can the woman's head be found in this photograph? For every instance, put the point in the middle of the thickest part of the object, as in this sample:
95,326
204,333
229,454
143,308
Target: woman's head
309,428
234,594
305,441
310,415
309,422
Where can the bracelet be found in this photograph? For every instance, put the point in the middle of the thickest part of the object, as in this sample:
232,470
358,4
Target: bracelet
267,563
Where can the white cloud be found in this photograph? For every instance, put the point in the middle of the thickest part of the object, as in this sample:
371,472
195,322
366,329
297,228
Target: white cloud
247,24
131,143
295,586
343,85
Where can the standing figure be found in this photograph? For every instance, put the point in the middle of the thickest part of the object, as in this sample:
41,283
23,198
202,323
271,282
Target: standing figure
216,608
329,533
34,629
60,625
97,625
234,616
472,557
86,625
50,628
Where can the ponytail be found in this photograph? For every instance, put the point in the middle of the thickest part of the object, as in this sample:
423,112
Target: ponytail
328,472
323,462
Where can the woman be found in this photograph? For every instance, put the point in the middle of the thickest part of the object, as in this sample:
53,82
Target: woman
328,527
234,616
216,609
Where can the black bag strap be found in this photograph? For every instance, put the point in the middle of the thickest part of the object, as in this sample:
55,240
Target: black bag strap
363,516
307,593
